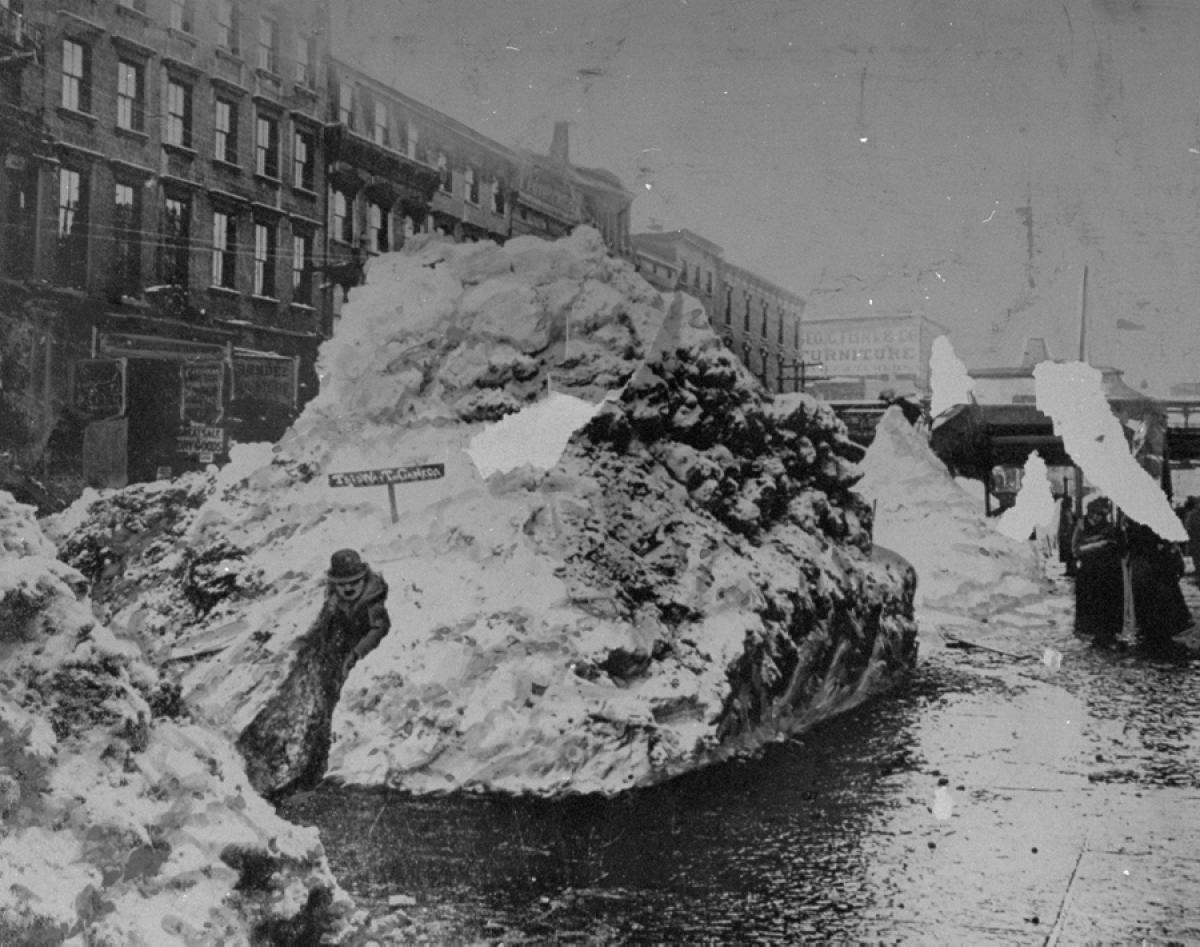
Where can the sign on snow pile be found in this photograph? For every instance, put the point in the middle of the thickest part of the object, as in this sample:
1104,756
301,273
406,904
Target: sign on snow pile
121,820
661,566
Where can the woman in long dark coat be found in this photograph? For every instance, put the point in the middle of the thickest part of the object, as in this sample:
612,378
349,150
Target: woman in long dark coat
1156,567
1099,584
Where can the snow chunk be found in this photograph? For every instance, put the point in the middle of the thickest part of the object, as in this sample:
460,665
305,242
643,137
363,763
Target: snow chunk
535,435
1070,393
1035,504
948,378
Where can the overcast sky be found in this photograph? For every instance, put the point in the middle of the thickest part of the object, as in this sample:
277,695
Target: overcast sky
964,159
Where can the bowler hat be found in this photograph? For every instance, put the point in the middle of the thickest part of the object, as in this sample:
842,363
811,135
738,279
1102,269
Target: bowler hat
346,566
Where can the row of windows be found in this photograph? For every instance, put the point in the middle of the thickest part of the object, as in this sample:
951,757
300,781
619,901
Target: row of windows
175,244
178,118
228,22
764,312
404,137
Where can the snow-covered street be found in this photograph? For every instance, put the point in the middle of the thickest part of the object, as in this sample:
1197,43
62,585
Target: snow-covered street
997,798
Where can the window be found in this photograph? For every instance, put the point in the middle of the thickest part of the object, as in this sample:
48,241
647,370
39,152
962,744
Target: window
443,166
708,282
264,260
380,133
225,132
76,73
746,313
72,226
227,27
377,228
471,182
764,319
179,114
266,146
302,268
181,15
127,236
696,276
130,97
176,244
683,272
306,57
268,43
497,198
302,160
343,222
779,332
224,252
346,104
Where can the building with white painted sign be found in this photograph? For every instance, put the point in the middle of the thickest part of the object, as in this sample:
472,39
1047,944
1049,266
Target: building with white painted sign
859,358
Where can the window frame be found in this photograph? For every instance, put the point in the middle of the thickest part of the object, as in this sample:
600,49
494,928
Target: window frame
304,166
267,56
265,239
225,137
227,29
223,274
302,254
181,120
127,233
266,154
181,16
74,213
76,75
131,108
175,262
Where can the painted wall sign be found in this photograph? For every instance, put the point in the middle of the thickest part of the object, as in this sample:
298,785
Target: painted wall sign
201,388
200,439
859,350
98,387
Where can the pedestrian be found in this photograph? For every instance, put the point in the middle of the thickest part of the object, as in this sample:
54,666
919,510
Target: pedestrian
1191,523
1099,582
358,618
1155,568
286,746
1066,530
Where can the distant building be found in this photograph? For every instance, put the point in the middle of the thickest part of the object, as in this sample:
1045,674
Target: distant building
758,320
861,358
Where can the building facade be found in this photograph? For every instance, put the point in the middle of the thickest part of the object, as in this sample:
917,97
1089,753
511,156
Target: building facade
756,318
171,215
189,190
858,359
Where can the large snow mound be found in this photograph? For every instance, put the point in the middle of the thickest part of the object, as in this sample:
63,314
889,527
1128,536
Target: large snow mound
963,563
685,575
121,820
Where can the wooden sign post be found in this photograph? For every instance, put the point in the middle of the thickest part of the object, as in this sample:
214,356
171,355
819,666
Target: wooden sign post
390,476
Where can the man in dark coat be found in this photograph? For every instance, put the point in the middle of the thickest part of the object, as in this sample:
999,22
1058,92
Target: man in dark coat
1191,522
286,747
1156,567
1099,584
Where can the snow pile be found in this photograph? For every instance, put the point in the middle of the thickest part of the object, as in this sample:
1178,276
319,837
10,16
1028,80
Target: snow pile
122,822
963,564
1035,506
1070,393
692,574
948,378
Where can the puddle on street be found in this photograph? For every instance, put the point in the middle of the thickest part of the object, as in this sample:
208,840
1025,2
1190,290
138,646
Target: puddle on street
888,823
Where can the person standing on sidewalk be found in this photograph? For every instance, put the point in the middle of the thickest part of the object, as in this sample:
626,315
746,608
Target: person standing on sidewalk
1066,530
1156,566
1099,583
1191,522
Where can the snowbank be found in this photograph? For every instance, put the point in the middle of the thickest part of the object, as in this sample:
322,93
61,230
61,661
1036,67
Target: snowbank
685,576
963,563
122,821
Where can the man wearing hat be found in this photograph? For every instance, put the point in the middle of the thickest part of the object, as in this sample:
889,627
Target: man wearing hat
358,617
1100,582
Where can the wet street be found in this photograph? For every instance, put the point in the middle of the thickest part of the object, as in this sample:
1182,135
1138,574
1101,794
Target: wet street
1006,794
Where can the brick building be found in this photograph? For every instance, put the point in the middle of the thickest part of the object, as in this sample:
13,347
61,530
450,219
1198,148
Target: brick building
758,319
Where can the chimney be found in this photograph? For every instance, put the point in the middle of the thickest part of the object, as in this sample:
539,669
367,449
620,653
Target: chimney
558,146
